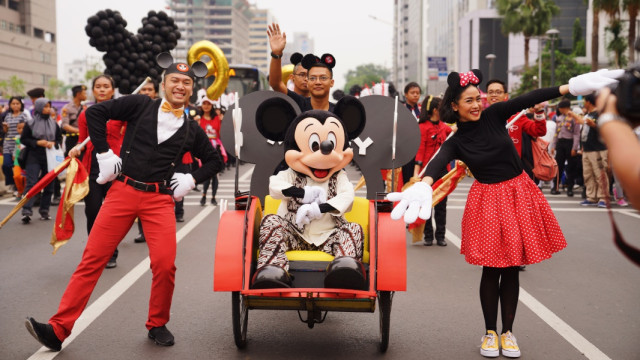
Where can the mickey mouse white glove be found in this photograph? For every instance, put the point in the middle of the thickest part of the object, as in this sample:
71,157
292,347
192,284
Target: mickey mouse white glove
590,82
413,203
314,194
110,166
307,213
181,184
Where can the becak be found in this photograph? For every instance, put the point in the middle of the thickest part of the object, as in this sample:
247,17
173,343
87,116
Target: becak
315,193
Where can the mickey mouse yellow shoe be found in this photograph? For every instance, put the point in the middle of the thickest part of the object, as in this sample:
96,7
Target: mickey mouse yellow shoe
509,345
489,347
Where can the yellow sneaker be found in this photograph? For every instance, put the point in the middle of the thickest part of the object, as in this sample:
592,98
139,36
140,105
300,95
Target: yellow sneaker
509,345
489,347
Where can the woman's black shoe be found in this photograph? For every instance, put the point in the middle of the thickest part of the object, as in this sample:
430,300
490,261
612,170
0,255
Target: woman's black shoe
139,239
161,335
44,334
555,192
203,201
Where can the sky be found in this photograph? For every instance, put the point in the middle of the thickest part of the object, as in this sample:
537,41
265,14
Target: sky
344,28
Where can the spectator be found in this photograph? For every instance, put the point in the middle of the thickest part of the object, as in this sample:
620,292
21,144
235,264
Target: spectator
210,123
566,144
412,92
13,118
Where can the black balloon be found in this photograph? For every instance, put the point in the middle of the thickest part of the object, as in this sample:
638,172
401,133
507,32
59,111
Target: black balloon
96,32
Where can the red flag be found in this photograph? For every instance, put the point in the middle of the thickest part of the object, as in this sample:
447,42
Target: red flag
76,188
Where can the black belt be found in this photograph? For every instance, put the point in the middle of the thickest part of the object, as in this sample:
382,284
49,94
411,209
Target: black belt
158,187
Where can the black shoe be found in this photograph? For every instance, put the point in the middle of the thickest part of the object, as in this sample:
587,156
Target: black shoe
522,268
45,216
203,201
271,277
26,219
161,335
179,218
570,193
345,272
44,334
214,202
111,263
55,201
441,242
555,192
139,239
428,242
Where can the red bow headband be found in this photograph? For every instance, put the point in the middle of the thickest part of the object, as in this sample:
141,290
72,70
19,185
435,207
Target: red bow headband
468,77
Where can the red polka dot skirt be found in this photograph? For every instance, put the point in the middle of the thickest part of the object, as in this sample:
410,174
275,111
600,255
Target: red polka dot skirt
509,224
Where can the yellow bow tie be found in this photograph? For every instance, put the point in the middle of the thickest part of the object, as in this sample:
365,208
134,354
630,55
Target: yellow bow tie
166,107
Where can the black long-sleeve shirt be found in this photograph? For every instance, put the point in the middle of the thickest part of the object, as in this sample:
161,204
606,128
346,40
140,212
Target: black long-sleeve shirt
485,145
149,161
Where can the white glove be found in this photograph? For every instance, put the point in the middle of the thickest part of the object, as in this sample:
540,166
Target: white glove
590,82
110,166
413,203
307,213
314,194
181,184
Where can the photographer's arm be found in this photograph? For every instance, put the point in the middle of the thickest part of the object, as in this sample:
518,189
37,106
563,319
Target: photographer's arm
623,146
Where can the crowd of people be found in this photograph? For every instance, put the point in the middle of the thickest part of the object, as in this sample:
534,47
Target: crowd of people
507,221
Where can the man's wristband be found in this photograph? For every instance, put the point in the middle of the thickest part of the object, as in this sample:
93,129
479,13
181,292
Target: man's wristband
608,117
276,56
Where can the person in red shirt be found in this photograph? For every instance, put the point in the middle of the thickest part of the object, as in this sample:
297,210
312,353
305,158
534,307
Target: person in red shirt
103,90
433,133
210,123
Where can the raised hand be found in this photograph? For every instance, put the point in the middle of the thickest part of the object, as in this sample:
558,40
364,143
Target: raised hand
277,39
413,203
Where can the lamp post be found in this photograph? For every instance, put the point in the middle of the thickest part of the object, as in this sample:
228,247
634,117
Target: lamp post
490,57
540,39
553,33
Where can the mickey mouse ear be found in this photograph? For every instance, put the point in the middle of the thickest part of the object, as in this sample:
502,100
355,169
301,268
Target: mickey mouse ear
273,117
199,69
308,61
164,60
453,79
295,58
329,60
353,116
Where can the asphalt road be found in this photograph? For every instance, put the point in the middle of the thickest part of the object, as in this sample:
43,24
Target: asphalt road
582,303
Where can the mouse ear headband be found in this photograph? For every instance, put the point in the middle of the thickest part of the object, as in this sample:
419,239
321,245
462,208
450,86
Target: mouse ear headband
473,77
309,60
197,70
296,58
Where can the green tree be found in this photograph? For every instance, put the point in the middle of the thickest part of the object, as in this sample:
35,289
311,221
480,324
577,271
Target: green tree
56,89
4,87
365,74
632,7
579,48
595,32
529,17
618,44
15,85
566,67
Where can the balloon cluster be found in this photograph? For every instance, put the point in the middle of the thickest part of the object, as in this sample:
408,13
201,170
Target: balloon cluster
130,58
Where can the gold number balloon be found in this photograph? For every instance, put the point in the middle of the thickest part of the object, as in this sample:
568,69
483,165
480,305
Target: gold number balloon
286,71
217,66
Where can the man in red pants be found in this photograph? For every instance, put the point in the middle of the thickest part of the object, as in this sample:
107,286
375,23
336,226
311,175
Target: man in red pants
157,137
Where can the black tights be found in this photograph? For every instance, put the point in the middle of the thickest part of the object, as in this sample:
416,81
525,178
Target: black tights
499,285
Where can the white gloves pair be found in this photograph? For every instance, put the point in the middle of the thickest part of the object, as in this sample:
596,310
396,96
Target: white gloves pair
110,166
313,197
181,184
590,82
413,203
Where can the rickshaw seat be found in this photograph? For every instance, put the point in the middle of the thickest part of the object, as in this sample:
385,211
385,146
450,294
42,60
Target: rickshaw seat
359,214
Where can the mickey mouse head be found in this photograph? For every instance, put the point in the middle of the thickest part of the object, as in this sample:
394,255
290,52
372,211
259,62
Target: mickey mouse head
130,58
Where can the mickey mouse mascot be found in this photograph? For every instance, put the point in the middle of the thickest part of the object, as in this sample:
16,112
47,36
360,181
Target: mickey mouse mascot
315,193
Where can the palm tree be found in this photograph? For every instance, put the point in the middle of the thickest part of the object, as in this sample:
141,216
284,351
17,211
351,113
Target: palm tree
617,44
595,33
632,7
529,17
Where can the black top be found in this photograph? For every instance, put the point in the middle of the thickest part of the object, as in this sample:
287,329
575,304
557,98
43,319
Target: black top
593,136
485,145
149,161
37,154
305,103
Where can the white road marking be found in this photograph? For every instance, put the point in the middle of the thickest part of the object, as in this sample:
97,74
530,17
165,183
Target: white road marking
574,338
110,296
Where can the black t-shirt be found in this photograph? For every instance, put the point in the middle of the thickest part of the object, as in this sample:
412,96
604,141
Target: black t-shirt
593,142
305,103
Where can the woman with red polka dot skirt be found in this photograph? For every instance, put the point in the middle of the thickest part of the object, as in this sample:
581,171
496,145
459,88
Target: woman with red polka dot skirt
507,221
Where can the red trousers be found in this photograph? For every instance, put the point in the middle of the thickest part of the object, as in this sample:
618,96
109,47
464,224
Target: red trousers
121,206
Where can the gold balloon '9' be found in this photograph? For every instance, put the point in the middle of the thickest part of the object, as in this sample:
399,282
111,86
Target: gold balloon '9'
217,66
287,70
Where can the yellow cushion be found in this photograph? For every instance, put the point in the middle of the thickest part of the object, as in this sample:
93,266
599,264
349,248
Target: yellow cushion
359,213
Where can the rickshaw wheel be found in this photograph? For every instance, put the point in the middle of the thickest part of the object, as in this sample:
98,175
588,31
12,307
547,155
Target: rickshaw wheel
384,303
240,317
